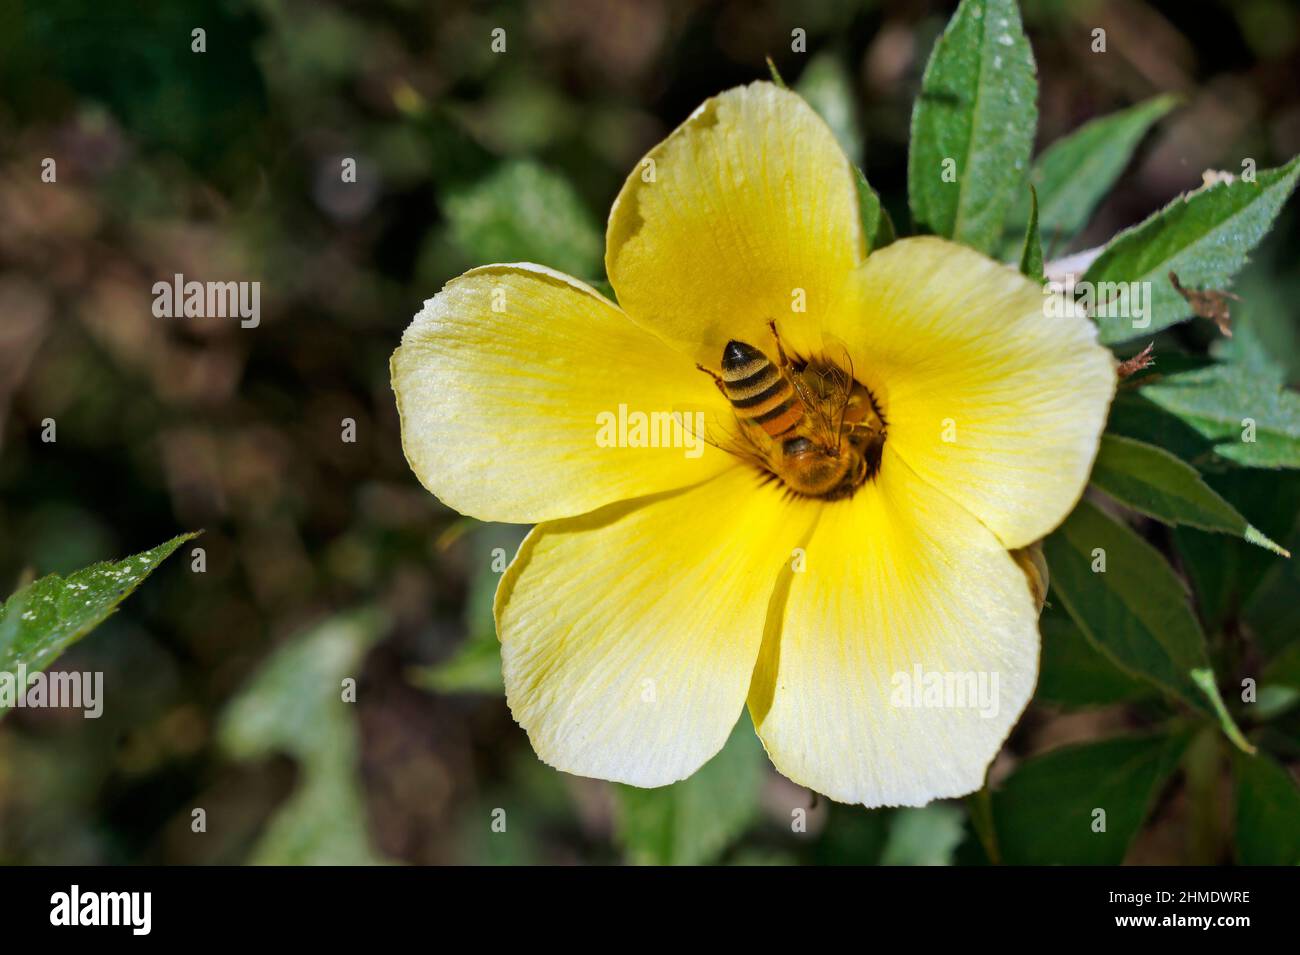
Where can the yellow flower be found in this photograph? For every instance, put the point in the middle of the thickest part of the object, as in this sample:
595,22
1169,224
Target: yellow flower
665,587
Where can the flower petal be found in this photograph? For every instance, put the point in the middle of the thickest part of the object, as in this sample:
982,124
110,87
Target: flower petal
898,577
751,199
628,636
505,413
985,396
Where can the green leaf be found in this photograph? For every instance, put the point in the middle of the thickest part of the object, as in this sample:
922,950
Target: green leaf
1135,611
1264,331
1136,417
1229,576
1268,812
852,836
1274,700
828,88
1203,237
1273,613
525,213
693,821
1284,669
295,705
537,801
1046,812
755,856
1205,680
1155,483
1243,410
978,108
926,836
876,224
1277,689
983,849
475,667
1205,842
1074,673
1031,255
1077,171
46,617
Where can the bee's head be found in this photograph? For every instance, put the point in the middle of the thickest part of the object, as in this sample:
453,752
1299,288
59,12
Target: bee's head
812,469
803,447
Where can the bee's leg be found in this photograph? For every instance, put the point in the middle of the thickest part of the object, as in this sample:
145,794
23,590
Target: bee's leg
785,366
782,359
797,381
717,379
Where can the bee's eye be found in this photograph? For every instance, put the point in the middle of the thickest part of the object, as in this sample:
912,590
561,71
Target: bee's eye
792,446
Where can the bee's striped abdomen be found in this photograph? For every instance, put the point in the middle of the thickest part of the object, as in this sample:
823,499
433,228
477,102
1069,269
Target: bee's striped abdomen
758,391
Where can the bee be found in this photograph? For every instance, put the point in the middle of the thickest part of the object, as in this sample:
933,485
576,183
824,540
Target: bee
808,423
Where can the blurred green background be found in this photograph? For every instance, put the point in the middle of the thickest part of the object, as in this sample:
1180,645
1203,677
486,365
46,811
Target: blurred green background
327,560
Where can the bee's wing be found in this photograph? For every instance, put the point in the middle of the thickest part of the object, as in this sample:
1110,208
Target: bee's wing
809,395
735,439
836,353
840,366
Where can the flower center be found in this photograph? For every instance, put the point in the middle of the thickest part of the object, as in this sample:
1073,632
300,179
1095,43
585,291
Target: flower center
810,424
